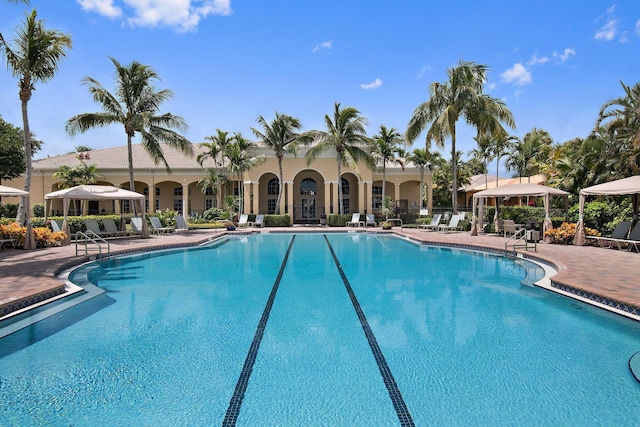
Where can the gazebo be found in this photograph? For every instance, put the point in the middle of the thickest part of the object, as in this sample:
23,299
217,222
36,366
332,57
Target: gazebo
94,192
626,186
516,190
29,240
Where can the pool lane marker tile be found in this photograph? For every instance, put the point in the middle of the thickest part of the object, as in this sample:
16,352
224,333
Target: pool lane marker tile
392,387
231,417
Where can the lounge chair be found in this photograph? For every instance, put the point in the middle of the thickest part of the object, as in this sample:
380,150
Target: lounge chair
94,228
355,220
244,220
371,221
55,226
452,226
110,227
259,222
181,224
509,227
618,233
158,228
136,225
433,225
631,242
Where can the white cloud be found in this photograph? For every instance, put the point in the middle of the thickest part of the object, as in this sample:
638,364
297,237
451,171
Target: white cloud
638,27
518,74
373,85
568,52
183,15
324,45
610,28
608,31
423,70
490,87
102,7
535,60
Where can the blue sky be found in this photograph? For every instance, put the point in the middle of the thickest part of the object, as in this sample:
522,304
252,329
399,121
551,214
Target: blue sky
554,63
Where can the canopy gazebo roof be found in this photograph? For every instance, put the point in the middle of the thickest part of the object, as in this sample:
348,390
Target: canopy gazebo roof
526,189
14,192
94,192
629,185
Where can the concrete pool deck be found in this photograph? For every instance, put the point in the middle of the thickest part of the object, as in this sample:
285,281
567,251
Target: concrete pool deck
606,277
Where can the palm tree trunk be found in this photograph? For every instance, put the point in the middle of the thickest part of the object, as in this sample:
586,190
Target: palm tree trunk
454,172
340,210
132,203
280,186
384,183
25,201
422,203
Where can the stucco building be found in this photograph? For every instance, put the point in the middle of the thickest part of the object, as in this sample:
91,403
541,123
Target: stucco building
310,190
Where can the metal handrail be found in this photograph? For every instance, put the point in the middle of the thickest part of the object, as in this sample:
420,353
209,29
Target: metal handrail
522,235
92,237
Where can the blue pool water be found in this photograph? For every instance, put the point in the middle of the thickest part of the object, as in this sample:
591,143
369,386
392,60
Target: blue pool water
315,330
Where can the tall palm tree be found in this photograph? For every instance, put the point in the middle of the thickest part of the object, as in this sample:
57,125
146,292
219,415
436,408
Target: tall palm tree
347,136
33,56
215,151
500,146
215,147
134,105
620,118
240,159
422,158
460,96
483,154
212,180
281,136
385,146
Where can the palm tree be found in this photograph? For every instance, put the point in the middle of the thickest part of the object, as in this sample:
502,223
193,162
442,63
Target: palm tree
385,146
239,155
33,56
213,180
282,137
500,146
620,118
483,154
460,96
134,105
347,136
215,148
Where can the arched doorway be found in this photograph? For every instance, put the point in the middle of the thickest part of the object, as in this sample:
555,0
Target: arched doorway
308,197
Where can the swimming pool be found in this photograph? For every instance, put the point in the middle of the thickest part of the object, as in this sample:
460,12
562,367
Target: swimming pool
311,329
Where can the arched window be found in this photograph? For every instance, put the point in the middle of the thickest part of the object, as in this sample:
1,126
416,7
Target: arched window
345,187
308,187
273,187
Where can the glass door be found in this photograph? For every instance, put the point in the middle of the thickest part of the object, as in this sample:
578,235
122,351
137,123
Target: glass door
308,210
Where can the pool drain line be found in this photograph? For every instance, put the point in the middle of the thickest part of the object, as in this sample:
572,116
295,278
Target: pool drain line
392,387
231,416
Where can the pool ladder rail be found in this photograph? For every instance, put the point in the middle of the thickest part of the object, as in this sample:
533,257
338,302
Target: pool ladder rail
520,239
89,239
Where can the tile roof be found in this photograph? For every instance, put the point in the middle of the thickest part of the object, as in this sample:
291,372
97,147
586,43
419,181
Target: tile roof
116,158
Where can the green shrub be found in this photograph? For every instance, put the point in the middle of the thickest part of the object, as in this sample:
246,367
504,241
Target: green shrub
214,214
8,210
335,220
277,221
38,210
167,217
